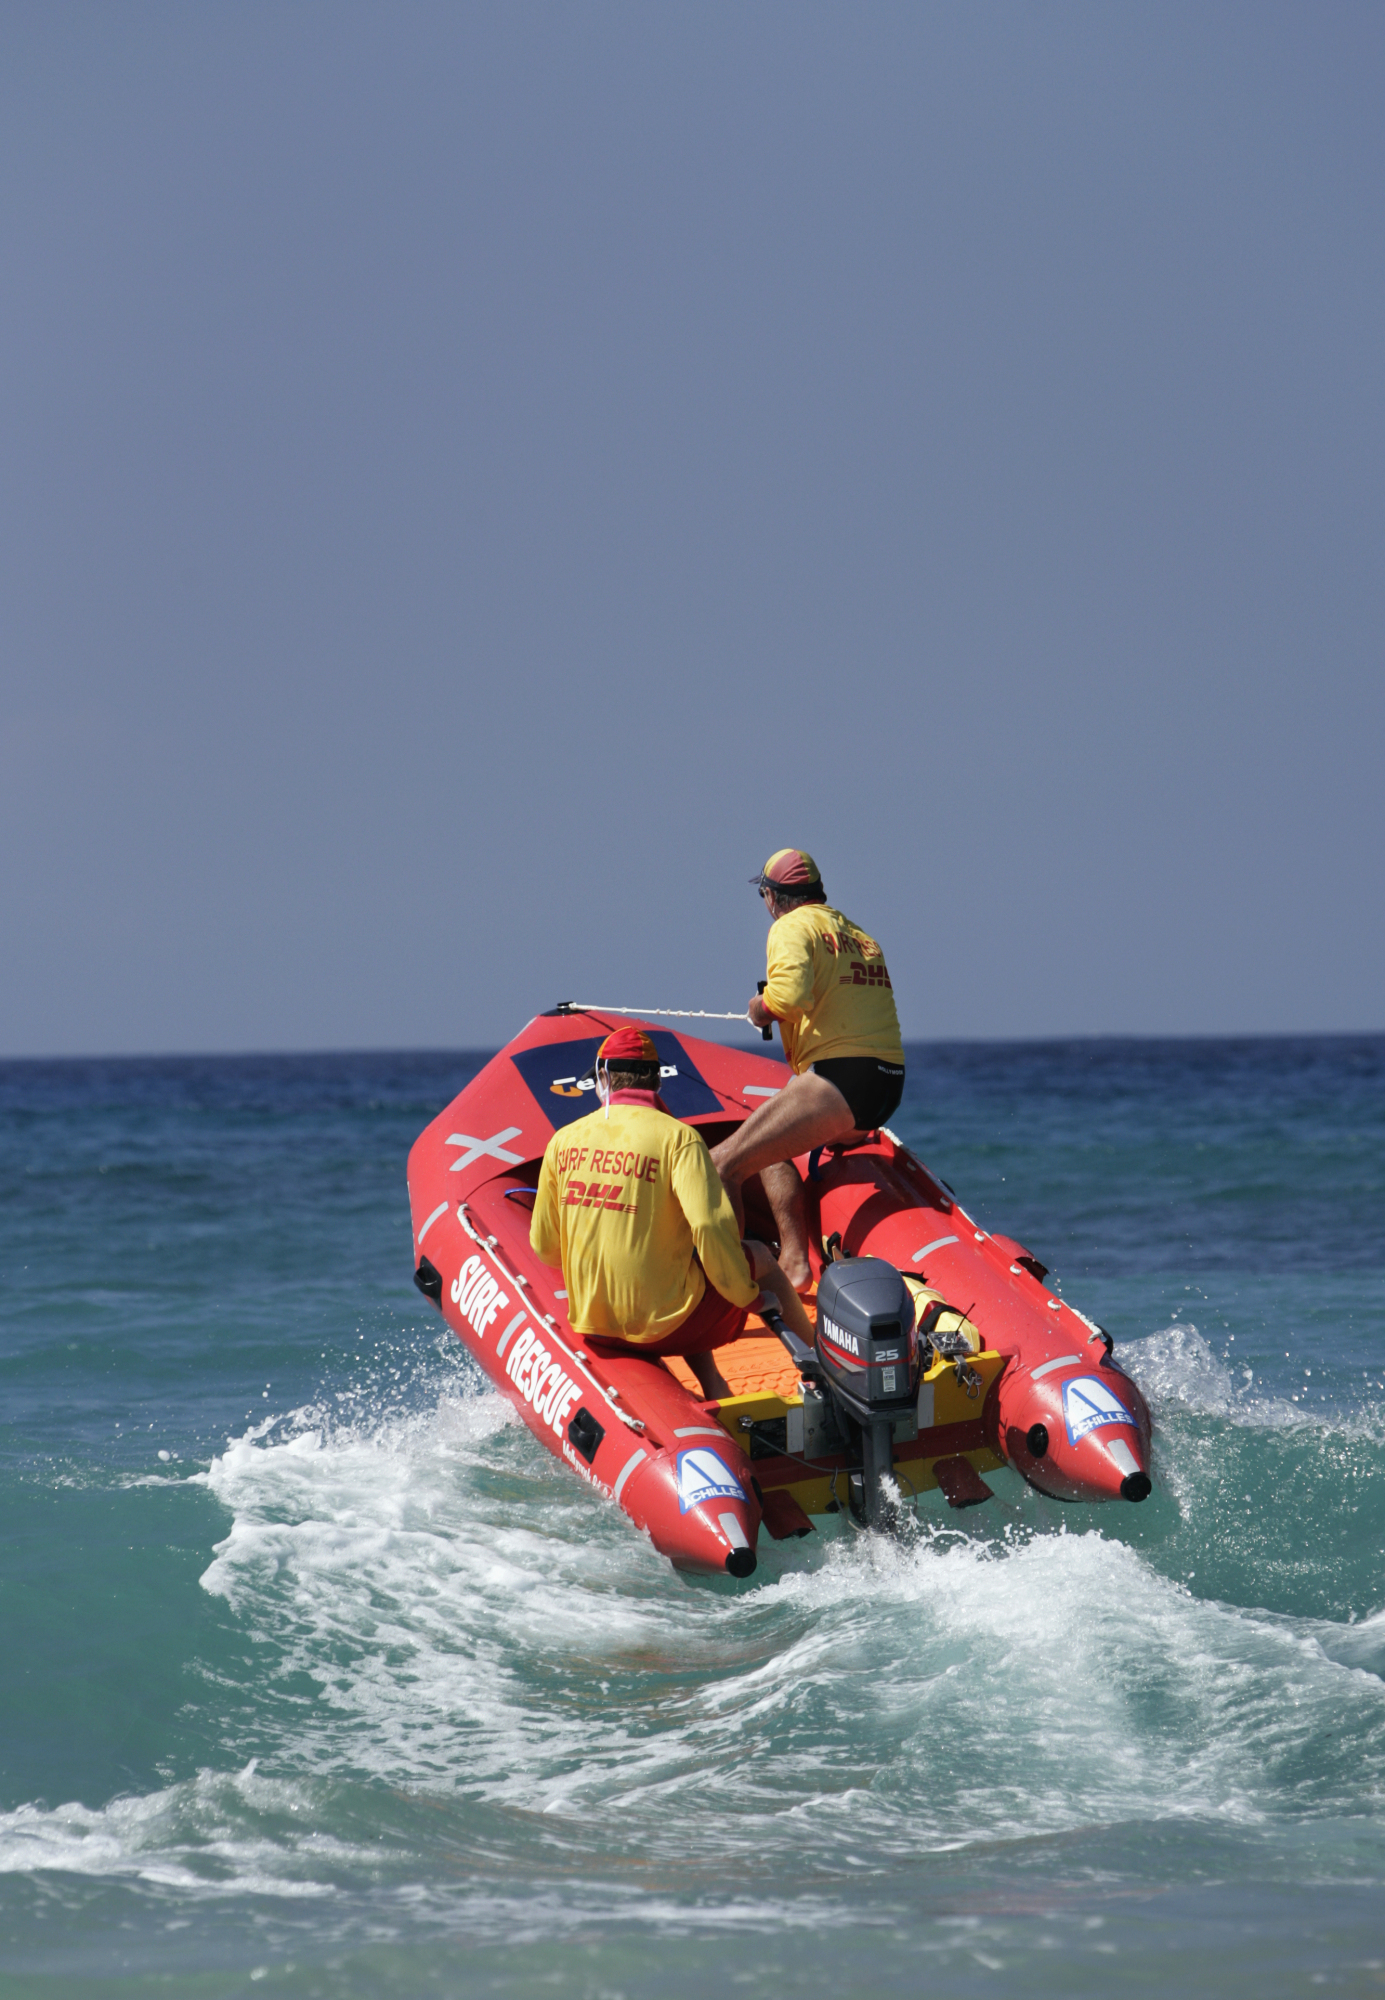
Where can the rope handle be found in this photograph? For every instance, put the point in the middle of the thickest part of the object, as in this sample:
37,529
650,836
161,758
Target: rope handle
670,1013
665,1013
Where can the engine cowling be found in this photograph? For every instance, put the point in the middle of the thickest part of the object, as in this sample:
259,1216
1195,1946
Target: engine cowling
867,1341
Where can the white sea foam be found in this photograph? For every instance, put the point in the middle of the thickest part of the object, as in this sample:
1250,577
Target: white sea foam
206,1835
1177,1368
459,1632
198,1841
437,1606
1361,1645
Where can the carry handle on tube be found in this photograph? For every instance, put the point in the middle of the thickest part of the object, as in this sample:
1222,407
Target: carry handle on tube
766,1034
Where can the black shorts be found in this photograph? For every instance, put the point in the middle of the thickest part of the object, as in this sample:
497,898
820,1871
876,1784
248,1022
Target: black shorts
871,1088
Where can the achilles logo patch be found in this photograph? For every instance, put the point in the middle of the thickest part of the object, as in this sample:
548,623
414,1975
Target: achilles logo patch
702,1475
1088,1404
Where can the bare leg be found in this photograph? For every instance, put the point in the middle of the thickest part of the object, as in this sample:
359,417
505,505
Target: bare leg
737,1201
809,1111
710,1380
784,1192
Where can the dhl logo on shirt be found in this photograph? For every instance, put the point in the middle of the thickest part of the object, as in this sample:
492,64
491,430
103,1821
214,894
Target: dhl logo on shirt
867,975
605,1160
577,1194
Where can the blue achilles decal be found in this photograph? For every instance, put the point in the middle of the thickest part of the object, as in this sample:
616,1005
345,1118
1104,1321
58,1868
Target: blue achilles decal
1088,1404
702,1475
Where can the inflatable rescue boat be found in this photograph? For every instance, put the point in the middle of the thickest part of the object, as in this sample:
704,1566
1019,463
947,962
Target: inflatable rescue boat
940,1355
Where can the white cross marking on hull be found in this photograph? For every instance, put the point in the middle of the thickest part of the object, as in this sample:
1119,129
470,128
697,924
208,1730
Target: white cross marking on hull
492,1148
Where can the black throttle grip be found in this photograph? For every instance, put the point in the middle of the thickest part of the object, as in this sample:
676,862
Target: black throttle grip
766,1034
803,1357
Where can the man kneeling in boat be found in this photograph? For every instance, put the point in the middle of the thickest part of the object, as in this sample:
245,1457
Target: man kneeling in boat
828,989
630,1207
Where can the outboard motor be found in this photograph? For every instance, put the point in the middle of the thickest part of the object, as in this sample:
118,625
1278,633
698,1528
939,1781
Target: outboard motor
867,1345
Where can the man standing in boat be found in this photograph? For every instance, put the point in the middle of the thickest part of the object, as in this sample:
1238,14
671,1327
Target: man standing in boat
827,987
630,1207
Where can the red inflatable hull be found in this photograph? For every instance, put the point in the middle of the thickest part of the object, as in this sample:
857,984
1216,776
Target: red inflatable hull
1042,1393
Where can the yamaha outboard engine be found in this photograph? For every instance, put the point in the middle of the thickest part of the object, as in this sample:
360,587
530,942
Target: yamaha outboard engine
867,1344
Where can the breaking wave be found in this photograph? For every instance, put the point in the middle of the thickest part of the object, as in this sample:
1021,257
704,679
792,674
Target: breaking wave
431,1604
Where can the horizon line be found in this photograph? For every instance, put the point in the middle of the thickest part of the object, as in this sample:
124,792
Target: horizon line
486,1050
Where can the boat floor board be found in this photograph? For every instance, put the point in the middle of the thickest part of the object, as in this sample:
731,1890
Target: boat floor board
754,1365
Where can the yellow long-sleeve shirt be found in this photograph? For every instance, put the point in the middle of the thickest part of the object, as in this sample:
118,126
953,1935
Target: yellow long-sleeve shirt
827,986
623,1204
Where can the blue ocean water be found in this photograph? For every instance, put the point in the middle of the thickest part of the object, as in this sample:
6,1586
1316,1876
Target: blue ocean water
319,1677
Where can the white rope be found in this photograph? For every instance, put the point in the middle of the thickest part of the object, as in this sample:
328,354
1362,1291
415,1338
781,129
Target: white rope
672,1013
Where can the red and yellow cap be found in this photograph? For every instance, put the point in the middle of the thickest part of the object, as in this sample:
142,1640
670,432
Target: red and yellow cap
789,869
627,1045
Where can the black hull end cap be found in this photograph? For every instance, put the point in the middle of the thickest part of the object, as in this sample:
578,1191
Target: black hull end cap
428,1278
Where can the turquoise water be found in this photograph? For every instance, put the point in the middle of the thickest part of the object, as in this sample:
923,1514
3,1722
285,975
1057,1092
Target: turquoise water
319,1677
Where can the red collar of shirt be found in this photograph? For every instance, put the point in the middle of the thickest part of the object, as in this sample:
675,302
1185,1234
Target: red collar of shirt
650,1098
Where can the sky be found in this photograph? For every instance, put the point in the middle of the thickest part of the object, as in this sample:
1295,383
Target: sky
474,480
